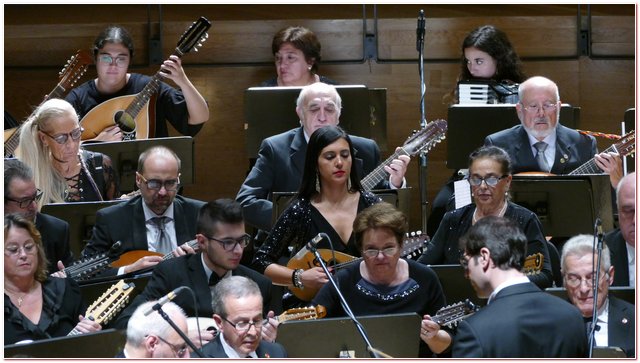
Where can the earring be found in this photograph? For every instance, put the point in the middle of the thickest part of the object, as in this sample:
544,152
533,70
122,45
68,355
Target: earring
317,183
309,68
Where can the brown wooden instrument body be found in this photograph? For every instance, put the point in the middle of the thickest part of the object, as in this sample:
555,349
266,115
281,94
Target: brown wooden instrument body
105,115
130,257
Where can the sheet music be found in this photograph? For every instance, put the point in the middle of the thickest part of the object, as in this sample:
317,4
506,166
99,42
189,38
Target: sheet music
462,190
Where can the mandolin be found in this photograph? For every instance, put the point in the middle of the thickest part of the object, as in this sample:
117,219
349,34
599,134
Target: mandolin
533,264
412,247
625,146
132,113
130,257
451,315
88,267
70,74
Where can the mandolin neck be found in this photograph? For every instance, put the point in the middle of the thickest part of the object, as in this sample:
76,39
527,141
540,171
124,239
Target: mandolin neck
590,166
378,174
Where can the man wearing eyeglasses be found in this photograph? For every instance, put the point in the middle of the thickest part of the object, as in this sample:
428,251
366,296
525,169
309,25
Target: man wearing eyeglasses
221,241
158,220
541,143
622,241
616,318
21,197
237,307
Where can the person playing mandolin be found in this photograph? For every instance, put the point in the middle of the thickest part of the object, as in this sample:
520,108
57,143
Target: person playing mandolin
185,108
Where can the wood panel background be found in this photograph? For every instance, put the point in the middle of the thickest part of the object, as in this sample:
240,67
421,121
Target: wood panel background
600,78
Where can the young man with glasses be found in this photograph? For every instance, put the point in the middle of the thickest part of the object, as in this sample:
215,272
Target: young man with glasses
158,220
616,318
237,309
184,108
221,241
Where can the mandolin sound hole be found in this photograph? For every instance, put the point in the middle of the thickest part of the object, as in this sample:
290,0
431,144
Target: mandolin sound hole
125,122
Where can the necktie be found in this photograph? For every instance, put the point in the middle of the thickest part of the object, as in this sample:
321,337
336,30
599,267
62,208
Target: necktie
541,146
164,243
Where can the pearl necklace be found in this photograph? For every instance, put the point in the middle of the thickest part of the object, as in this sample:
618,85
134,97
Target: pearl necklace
500,214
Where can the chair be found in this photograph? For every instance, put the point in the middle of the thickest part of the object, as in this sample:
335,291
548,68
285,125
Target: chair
554,256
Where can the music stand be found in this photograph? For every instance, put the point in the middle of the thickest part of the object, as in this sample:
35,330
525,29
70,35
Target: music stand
630,124
81,217
566,205
626,293
455,285
338,337
102,344
124,156
469,125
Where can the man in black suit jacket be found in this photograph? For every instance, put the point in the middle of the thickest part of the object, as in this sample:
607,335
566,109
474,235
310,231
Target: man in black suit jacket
132,222
615,317
221,240
21,197
622,241
237,306
520,320
281,157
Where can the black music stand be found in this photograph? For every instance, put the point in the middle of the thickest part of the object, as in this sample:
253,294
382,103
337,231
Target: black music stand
396,335
103,344
124,155
468,125
566,205
626,293
81,217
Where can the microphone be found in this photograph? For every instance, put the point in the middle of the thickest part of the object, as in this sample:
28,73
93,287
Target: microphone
599,232
311,245
420,31
165,299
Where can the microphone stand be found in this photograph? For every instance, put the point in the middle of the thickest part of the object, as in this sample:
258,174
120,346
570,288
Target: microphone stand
422,169
158,308
593,325
373,352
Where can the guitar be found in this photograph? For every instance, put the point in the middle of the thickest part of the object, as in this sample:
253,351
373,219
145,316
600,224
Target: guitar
625,146
88,267
109,304
70,74
413,245
533,264
130,257
132,112
420,142
451,315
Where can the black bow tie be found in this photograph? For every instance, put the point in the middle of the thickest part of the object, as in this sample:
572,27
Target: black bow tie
213,279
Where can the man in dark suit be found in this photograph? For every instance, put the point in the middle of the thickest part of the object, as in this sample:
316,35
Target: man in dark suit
281,157
158,220
221,240
237,306
21,197
615,317
520,320
622,241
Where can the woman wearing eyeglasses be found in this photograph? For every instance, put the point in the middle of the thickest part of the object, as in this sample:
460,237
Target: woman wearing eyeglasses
490,179
185,109
50,146
36,305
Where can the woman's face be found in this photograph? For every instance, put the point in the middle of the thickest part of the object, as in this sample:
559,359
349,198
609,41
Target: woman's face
291,65
486,196
381,252
112,64
20,254
479,63
334,163
56,130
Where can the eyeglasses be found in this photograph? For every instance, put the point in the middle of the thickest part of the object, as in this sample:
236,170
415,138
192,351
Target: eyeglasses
120,62
62,138
244,326
535,108
178,351
491,181
575,280
14,250
156,184
372,253
24,203
229,244
464,262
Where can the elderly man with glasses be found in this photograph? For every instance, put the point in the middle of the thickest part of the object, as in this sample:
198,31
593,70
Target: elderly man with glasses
158,220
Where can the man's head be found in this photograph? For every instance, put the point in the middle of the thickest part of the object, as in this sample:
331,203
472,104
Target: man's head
318,105
221,235
578,273
237,309
539,107
152,337
491,245
626,200
158,177
20,193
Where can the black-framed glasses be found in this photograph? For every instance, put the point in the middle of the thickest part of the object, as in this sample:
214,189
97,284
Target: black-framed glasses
575,280
62,138
229,244
179,351
535,108
373,253
157,184
120,62
243,326
464,262
23,203
491,180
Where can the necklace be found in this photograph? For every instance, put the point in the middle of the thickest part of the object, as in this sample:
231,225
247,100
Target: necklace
500,214
20,299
